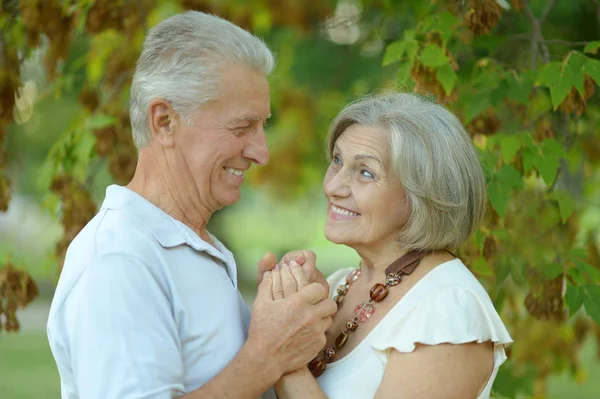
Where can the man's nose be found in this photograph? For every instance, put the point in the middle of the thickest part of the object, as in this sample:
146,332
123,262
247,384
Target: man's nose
257,149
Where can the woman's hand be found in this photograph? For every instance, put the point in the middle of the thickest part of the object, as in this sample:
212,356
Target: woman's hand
305,258
288,279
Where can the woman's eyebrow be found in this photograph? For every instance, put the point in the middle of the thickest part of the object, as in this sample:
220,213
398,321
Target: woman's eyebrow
364,156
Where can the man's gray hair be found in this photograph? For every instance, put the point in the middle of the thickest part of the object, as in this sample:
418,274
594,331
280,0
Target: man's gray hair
435,160
181,60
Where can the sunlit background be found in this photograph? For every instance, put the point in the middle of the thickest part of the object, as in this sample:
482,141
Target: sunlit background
70,124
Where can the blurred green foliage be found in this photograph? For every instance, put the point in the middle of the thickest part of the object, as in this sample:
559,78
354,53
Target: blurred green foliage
523,80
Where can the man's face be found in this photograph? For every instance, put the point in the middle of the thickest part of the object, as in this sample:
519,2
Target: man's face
226,137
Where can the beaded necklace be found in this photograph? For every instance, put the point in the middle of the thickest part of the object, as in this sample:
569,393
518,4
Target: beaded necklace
395,273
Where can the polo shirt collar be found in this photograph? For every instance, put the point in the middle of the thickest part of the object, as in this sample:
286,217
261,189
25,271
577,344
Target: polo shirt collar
168,231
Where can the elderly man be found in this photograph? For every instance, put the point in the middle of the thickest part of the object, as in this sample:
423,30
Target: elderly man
147,305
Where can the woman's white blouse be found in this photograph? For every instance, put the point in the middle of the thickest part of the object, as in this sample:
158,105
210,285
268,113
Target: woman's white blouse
448,305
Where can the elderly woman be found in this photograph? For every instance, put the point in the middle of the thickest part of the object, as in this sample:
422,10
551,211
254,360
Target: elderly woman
404,188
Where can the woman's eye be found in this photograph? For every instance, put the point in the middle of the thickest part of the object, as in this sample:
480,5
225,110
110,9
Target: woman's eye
336,160
367,174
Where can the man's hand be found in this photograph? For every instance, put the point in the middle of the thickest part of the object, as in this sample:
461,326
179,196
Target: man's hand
304,257
290,331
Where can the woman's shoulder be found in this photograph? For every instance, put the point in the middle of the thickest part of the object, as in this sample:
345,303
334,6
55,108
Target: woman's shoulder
448,305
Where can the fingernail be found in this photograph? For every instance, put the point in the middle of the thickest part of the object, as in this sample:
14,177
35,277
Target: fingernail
265,274
294,264
277,267
285,265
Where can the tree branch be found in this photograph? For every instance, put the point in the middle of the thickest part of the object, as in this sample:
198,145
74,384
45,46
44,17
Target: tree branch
537,39
566,141
565,42
546,12
597,10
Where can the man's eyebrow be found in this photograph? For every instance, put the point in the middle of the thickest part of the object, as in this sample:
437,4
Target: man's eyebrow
249,118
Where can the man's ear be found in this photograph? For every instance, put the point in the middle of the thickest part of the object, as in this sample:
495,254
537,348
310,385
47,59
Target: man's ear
162,121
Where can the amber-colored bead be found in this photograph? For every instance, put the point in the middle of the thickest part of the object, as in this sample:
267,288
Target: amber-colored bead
316,367
378,292
352,325
338,299
329,355
340,341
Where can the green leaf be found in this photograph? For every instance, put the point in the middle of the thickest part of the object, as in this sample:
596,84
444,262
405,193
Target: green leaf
591,301
481,267
552,147
394,52
551,271
433,56
540,104
509,175
576,275
548,167
579,253
559,79
549,74
590,271
509,146
412,47
592,47
592,68
410,34
447,78
502,269
446,25
529,160
404,72
476,105
499,194
501,234
561,90
566,204
576,61
574,298
100,121
479,238
519,89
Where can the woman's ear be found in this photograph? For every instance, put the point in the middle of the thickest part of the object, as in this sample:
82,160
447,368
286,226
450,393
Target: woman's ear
162,122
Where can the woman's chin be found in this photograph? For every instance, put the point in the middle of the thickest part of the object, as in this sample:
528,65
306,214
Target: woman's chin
336,238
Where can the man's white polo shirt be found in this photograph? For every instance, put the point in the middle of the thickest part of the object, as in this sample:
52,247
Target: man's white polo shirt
143,308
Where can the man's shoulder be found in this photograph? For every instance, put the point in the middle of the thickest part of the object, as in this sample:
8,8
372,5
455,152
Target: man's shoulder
111,231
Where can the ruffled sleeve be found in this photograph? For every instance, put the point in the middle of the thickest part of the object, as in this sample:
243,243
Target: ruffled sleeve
453,315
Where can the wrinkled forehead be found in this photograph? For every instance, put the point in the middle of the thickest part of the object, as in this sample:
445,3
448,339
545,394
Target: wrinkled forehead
367,141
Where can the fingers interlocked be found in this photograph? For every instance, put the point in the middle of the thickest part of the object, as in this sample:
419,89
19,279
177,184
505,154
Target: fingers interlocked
287,280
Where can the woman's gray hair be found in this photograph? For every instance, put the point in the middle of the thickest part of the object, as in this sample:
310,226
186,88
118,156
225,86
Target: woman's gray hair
435,160
181,60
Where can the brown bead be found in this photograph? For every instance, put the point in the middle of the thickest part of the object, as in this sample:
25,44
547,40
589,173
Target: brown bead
338,299
351,325
329,355
342,290
316,367
340,341
378,292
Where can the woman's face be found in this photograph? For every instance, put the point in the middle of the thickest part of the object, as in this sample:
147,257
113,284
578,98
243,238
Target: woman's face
366,204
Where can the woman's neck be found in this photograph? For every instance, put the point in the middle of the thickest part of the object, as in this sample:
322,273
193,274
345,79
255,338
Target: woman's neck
374,261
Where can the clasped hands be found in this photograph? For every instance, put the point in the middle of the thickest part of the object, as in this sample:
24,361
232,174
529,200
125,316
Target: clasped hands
292,310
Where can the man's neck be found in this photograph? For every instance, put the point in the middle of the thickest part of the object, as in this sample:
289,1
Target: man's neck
175,194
